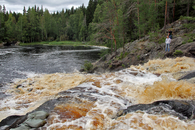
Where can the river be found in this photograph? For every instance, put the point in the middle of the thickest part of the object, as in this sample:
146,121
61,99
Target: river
24,61
92,100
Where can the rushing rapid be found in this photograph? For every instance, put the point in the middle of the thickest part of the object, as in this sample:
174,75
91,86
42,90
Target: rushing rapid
92,101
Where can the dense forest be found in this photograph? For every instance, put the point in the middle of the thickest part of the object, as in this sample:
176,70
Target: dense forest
105,22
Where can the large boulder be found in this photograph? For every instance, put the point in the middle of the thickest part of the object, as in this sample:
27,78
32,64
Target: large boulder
12,121
183,109
188,49
188,75
34,119
10,43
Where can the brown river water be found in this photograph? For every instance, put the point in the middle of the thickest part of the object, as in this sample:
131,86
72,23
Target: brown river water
153,81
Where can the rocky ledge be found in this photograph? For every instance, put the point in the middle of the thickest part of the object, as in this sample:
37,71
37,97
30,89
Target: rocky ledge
150,47
183,109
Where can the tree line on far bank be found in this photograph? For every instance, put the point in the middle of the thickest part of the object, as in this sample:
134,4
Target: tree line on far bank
104,22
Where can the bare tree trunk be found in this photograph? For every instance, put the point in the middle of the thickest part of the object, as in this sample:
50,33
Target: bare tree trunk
188,8
155,3
168,8
165,16
111,46
123,40
138,17
173,11
115,44
117,25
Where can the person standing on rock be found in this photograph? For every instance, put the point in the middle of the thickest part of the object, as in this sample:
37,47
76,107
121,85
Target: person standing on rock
170,34
167,41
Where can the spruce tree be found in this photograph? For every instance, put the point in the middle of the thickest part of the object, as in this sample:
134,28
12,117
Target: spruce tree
10,29
90,11
1,24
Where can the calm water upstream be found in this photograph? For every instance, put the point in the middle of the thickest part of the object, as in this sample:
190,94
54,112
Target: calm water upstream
20,62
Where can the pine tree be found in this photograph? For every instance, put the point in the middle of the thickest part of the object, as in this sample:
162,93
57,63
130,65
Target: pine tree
33,24
47,25
147,17
83,30
165,17
19,28
10,29
107,27
42,27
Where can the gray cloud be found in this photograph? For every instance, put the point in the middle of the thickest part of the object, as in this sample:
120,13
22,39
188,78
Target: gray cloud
51,5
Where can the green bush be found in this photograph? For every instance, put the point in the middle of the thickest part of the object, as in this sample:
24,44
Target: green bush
188,37
138,57
58,39
187,18
87,66
64,37
104,52
189,26
178,52
50,39
123,55
161,40
190,40
154,34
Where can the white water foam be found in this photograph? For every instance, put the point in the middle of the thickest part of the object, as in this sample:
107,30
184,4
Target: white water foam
108,97
29,74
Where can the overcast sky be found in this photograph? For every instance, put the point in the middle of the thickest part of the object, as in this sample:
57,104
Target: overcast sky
51,5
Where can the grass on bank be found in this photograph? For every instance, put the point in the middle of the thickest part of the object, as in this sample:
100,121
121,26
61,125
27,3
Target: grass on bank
72,43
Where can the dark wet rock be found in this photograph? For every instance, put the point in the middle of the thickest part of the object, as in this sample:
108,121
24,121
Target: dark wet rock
19,86
31,120
157,74
1,85
74,95
187,76
183,109
12,121
30,89
10,43
47,106
78,94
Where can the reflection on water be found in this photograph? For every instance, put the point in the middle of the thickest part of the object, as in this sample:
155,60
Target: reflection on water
19,62
96,99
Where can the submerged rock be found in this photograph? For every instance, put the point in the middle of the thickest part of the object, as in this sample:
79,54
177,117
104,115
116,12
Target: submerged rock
183,109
